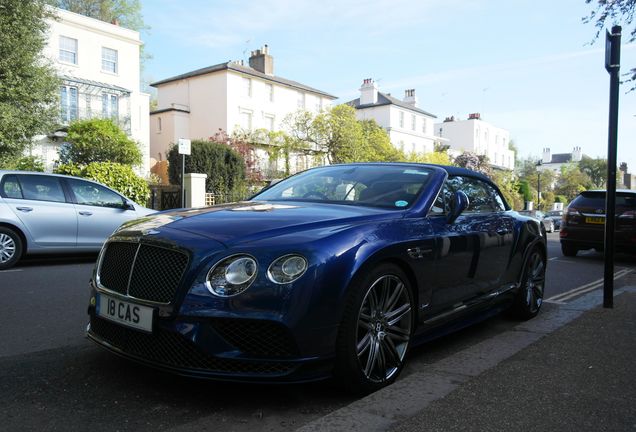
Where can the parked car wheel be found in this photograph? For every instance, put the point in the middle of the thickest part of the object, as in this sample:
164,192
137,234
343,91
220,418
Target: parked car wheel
529,298
376,330
10,248
568,250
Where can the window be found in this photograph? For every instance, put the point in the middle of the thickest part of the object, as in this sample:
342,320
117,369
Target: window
87,193
413,121
11,188
401,119
41,188
247,87
300,102
270,92
246,120
440,206
424,126
109,60
269,122
110,106
158,124
68,50
68,104
482,197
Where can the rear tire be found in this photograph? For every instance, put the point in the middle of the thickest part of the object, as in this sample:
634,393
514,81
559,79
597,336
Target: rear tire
376,330
529,298
568,250
11,248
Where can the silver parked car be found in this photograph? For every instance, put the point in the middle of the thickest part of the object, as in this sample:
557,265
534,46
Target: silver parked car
49,213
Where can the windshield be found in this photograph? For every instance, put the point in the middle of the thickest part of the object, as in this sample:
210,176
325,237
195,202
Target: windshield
373,185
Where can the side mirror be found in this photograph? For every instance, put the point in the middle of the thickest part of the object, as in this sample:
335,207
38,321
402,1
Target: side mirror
128,206
459,203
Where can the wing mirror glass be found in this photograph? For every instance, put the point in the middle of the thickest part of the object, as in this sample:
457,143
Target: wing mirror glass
459,203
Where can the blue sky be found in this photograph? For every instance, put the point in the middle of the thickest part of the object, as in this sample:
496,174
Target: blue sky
525,65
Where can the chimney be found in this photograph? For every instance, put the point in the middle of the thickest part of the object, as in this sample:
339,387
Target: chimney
368,92
547,158
409,97
261,61
449,119
576,154
474,116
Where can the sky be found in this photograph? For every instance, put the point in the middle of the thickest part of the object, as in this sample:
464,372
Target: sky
528,66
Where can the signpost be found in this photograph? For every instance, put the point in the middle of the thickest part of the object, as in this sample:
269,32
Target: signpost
184,149
612,65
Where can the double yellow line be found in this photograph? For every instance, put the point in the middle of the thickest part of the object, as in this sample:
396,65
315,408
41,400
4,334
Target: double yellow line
563,297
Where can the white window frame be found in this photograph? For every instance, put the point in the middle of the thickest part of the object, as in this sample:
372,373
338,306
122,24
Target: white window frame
270,92
110,105
413,122
270,122
300,100
250,115
66,51
110,61
423,125
401,121
66,112
247,86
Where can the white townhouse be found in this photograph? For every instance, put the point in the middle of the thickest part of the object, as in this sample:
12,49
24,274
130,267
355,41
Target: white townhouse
409,127
479,137
229,96
98,63
554,161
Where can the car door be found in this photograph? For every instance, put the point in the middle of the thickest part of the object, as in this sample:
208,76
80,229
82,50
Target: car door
43,207
474,250
100,211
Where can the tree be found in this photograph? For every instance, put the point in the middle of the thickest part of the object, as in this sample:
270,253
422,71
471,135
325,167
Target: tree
509,187
572,181
608,12
474,162
28,85
596,170
224,166
376,145
98,140
125,12
435,157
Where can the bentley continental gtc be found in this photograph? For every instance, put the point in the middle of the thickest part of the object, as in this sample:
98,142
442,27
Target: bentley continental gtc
334,272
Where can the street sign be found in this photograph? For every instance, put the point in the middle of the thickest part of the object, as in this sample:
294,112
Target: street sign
613,48
184,146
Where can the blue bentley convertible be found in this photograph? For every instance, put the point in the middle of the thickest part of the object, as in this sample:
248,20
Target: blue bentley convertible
336,271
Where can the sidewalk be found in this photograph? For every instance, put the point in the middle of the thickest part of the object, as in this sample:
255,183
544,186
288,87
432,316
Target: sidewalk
571,369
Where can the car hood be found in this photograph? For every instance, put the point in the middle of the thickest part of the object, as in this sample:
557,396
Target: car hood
238,222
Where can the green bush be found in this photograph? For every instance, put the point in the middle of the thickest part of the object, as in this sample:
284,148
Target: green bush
116,176
524,190
225,167
98,140
24,163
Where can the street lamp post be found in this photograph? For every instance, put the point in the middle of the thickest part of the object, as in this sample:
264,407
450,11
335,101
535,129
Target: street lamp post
538,186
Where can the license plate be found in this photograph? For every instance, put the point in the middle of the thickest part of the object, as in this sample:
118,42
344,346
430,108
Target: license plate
125,313
595,220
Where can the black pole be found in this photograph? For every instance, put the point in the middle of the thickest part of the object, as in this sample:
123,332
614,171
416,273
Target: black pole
612,64
183,200
538,190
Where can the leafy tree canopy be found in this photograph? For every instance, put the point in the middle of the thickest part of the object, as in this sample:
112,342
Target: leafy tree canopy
28,85
126,12
98,140
613,12
596,170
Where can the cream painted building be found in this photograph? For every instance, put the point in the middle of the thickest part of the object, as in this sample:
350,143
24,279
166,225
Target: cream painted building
479,137
409,127
98,63
229,97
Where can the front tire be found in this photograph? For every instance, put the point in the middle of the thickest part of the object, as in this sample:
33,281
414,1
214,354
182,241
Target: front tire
10,248
376,330
529,298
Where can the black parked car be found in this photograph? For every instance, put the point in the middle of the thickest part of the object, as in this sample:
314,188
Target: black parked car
583,224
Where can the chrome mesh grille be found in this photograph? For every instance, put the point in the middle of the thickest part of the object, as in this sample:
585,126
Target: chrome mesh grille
171,349
142,271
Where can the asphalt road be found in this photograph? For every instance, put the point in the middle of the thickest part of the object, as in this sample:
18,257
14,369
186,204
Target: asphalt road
52,378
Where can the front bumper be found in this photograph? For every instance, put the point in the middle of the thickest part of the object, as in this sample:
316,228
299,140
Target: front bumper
200,350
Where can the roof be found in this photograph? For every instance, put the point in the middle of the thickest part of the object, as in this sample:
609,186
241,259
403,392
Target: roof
244,70
561,158
385,99
95,83
163,110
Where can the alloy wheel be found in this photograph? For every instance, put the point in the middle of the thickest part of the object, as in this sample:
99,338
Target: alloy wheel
535,282
7,248
384,328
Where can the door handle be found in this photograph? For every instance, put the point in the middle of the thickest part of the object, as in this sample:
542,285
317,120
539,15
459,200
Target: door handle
25,209
86,213
503,231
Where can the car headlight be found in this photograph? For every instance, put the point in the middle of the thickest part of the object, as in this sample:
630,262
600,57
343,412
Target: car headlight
287,269
232,276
